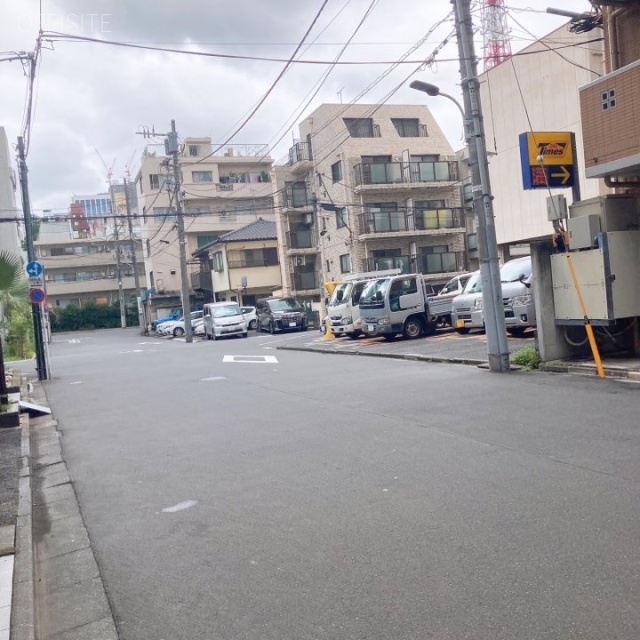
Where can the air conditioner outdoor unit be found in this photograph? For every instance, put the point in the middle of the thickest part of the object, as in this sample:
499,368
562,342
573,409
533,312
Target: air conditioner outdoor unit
299,261
308,218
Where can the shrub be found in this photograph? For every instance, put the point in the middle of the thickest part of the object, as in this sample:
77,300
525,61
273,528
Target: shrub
528,358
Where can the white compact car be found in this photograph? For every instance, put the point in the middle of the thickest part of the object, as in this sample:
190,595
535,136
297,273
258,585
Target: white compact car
223,319
249,314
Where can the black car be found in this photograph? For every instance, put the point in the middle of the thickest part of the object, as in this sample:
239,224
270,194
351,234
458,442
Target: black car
281,314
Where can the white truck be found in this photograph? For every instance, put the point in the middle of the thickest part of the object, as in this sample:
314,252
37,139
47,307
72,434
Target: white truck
406,304
343,306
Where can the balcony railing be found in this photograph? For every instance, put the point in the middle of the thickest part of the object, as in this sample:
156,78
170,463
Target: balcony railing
426,263
433,219
301,239
296,197
247,264
419,220
405,172
304,280
299,152
201,280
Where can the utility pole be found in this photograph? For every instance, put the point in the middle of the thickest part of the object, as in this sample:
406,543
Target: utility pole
493,307
173,148
36,308
132,244
123,313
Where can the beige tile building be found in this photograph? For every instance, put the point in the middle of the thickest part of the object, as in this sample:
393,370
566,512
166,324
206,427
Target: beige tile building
221,192
368,188
10,236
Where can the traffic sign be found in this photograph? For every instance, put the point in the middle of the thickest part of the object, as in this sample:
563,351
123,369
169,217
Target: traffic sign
37,296
34,269
547,159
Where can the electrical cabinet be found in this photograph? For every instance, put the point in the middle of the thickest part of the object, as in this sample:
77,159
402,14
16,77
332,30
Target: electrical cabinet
608,278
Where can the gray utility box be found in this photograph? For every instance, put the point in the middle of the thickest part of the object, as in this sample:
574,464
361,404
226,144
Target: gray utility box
608,277
583,231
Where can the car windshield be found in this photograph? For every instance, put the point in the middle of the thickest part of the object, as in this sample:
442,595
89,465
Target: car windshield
373,288
474,284
344,290
513,270
226,311
285,304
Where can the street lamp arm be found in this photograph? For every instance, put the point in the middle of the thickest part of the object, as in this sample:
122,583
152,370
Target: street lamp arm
446,95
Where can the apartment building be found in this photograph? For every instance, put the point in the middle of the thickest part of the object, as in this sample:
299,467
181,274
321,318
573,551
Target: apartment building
221,192
10,235
81,267
367,188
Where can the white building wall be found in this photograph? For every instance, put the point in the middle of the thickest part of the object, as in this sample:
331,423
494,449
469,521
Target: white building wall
536,90
9,231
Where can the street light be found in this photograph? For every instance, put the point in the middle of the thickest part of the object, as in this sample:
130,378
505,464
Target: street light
492,304
433,91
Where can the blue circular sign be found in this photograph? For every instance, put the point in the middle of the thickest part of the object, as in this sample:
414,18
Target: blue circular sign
37,295
34,269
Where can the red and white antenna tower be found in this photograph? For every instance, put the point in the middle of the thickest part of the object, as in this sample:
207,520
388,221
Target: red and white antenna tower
495,33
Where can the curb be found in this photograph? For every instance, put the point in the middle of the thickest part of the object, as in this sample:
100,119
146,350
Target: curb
395,356
23,599
582,369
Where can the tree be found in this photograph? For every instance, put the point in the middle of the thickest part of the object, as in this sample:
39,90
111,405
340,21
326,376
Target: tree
13,288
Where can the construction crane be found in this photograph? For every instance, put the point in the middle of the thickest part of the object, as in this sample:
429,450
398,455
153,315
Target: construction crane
495,33
109,169
127,166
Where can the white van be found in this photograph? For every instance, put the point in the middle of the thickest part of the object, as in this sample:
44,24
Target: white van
519,310
222,319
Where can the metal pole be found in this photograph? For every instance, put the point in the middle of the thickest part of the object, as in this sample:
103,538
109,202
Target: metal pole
36,309
173,149
123,313
493,307
132,244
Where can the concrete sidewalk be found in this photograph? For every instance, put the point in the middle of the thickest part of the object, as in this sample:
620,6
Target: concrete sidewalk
50,584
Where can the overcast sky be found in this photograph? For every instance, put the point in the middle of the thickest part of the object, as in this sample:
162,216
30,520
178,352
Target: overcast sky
92,96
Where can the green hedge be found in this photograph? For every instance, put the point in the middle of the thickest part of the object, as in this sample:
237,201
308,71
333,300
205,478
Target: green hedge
91,316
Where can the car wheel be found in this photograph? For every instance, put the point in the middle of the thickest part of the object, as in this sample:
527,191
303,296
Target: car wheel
245,334
303,328
209,337
177,332
354,334
516,332
389,336
253,324
412,329
463,331
272,328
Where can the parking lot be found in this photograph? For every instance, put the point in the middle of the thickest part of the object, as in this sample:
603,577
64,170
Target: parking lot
445,344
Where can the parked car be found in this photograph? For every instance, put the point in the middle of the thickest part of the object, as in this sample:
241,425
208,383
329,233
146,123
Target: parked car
176,328
223,319
175,314
519,310
249,314
281,314
441,304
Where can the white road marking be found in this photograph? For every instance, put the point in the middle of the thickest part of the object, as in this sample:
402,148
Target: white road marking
251,359
212,379
134,351
149,342
73,341
76,382
181,506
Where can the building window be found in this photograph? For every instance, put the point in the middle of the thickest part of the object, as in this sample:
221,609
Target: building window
203,240
345,263
328,266
336,171
472,242
157,181
341,218
362,128
202,176
407,127
194,150
608,99
296,194
218,262
438,259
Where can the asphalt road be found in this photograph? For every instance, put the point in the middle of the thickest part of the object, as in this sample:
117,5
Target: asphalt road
235,491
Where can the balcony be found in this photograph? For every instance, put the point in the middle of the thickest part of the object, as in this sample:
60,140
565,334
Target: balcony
303,281
300,158
201,281
297,198
419,222
390,175
425,263
301,240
